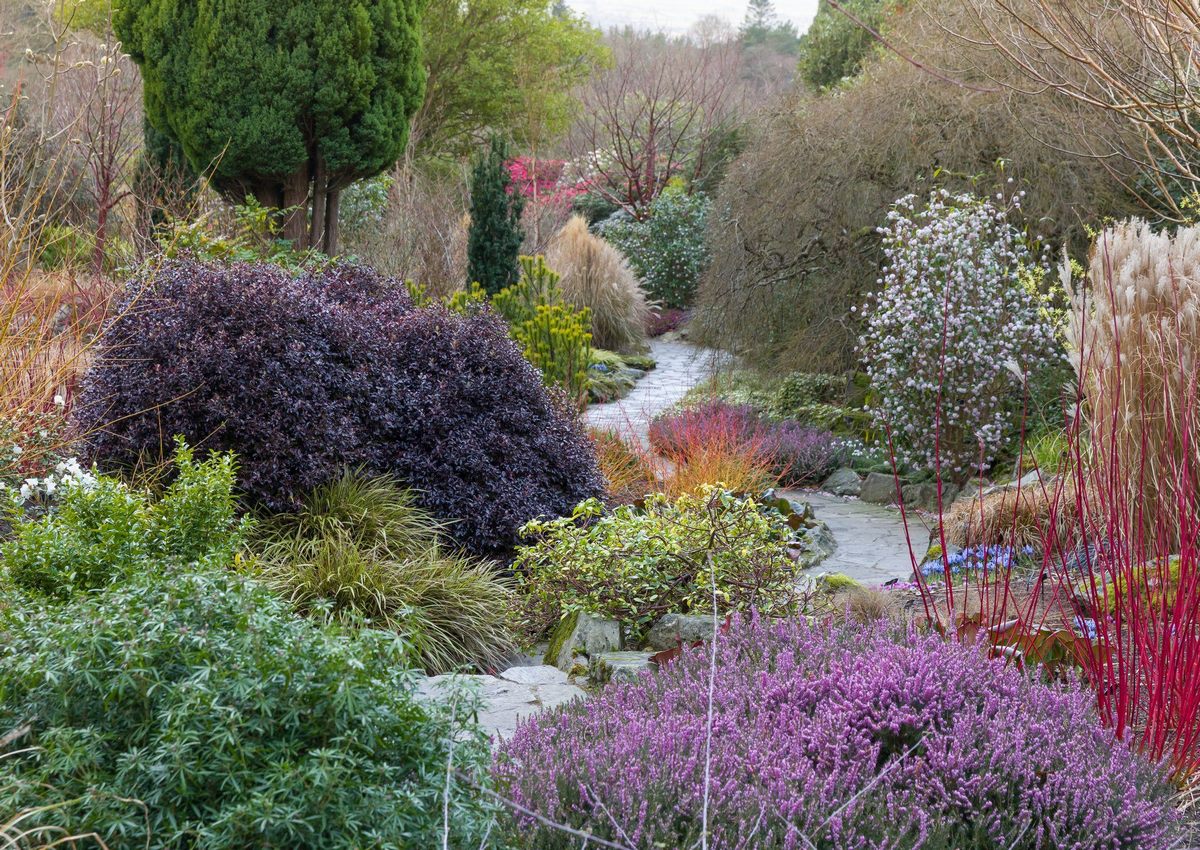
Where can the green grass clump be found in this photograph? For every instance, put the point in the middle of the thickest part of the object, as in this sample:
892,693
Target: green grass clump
362,550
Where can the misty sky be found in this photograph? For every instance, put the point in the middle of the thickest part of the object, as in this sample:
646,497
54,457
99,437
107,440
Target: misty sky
678,15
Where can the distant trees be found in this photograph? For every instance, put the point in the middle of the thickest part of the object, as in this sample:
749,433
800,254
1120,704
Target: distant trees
284,102
762,27
659,111
835,46
506,66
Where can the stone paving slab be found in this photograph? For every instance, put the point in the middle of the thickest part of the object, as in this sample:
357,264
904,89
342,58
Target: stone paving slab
681,366
871,544
506,702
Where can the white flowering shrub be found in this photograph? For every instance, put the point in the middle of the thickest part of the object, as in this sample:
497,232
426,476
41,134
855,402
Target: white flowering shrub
67,474
951,330
667,250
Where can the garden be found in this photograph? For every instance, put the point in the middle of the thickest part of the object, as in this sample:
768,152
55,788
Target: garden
455,425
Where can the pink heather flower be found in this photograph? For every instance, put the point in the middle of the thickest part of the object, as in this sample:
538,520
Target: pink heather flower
836,737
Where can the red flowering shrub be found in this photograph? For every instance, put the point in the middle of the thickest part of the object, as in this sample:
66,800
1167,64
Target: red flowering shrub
304,377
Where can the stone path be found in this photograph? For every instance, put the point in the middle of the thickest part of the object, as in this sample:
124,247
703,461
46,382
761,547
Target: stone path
681,366
510,697
871,544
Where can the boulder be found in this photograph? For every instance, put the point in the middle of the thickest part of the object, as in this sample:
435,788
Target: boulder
581,634
879,488
924,496
844,482
819,544
673,629
620,666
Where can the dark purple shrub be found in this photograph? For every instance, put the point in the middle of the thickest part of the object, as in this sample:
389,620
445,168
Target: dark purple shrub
665,320
797,454
303,377
835,737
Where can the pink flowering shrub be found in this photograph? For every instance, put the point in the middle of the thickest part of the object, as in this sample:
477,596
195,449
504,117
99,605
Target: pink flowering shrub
834,737
545,181
957,311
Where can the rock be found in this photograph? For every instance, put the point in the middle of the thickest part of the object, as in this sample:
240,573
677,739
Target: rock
878,489
672,629
819,544
620,666
844,482
924,496
542,674
787,506
581,634
504,703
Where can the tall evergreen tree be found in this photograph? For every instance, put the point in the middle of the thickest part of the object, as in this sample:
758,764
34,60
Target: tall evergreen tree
494,240
758,22
286,102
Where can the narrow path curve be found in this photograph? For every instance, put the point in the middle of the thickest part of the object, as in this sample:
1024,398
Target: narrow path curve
681,366
872,546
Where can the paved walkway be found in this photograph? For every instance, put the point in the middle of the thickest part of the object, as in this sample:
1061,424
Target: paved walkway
872,547
681,366
871,543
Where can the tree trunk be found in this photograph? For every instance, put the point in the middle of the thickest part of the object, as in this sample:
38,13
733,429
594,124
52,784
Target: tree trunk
333,201
269,195
295,209
316,236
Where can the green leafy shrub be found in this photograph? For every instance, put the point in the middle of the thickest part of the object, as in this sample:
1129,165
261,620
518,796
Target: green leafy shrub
102,529
836,47
801,389
634,563
554,336
190,708
667,250
251,234
361,550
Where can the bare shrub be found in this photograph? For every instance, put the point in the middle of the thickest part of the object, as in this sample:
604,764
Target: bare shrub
793,230
596,275
656,111
423,233
1134,59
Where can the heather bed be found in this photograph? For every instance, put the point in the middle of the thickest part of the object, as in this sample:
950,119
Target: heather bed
833,737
